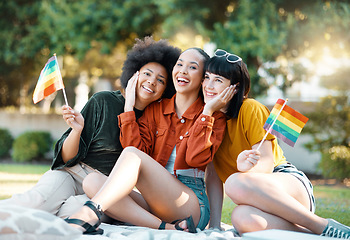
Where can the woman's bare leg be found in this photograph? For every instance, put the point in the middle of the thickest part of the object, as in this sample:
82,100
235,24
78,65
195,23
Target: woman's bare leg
249,219
167,198
277,194
120,211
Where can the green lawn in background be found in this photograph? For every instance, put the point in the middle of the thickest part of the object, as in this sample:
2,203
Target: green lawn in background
24,168
331,202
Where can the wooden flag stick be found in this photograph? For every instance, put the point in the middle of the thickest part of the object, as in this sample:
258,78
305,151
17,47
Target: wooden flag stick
270,129
63,89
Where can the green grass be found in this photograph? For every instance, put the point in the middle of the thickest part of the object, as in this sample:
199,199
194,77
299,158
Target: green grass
331,202
15,178
24,168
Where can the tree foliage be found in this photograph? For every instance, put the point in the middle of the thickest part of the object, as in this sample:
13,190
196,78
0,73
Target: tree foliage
90,31
75,26
338,81
329,127
319,25
253,30
266,31
37,29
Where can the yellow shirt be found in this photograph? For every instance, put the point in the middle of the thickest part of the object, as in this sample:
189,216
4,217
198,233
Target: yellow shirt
241,134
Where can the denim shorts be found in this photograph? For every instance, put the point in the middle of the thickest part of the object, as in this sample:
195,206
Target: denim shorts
291,169
197,185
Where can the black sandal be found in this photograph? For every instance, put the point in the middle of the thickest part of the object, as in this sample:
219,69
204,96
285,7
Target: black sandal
89,229
189,221
162,226
190,225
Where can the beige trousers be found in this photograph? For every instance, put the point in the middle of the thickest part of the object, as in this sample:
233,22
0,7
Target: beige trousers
59,192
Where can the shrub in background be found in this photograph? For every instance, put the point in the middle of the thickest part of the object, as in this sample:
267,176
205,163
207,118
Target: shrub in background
329,127
6,141
335,163
31,145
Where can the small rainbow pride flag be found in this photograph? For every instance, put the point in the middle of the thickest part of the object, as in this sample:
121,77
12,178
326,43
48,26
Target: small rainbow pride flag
50,80
285,123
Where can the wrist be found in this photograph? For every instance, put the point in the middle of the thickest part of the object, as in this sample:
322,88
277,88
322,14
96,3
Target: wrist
208,112
128,108
77,131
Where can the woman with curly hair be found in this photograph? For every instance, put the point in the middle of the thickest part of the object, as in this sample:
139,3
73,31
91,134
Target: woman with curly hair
91,144
165,155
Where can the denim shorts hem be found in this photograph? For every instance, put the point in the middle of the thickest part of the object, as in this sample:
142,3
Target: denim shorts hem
197,185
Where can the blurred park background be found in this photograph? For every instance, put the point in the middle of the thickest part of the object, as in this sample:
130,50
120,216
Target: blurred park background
293,49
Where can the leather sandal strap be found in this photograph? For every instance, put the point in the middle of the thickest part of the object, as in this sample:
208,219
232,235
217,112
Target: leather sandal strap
96,208
79,222
190,224
162,226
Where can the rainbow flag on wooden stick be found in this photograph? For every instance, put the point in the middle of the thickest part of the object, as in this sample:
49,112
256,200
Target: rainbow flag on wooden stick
285,123
50,81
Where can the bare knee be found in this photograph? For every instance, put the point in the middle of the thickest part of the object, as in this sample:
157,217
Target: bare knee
244,219
133,156
130,153
92,183
130,149
238,186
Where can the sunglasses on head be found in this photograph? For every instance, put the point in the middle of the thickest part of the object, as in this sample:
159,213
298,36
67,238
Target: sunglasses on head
231,58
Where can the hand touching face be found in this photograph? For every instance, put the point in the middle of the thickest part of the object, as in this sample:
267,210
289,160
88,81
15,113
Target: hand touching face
145,86
151,82
217,91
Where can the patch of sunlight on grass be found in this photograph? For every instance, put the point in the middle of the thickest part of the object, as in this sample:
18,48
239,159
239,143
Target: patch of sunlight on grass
18,178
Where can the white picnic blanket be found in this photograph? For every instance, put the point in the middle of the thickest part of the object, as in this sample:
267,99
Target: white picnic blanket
21,223
17,223
142,233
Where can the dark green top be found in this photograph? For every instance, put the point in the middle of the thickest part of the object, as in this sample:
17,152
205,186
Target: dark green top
99,145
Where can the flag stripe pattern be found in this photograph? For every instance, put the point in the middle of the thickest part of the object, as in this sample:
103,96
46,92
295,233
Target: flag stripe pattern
49,81
288,124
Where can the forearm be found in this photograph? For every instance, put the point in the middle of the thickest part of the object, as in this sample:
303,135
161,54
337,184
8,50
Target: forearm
263,166
129,130
205,138
215,194
261,161
70,147
266,161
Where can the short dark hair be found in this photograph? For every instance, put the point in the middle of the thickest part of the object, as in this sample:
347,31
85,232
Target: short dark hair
237,73
146,51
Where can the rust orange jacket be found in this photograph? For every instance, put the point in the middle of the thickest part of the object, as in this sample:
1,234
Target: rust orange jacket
196,136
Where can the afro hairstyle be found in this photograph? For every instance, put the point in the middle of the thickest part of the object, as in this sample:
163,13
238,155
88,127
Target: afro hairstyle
146,51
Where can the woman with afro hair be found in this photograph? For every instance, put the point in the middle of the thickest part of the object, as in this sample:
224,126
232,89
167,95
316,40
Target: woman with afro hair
92,144
165,155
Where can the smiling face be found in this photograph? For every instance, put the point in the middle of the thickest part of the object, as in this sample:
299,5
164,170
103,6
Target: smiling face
213,85
188,72
151,83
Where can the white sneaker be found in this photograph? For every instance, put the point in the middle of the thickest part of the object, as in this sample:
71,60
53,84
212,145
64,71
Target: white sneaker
336,230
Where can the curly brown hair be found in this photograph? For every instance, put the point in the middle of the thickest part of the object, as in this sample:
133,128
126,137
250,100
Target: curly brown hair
146,51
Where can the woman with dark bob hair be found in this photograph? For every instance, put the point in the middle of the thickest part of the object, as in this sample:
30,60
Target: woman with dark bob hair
165,156
270,193
92,144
